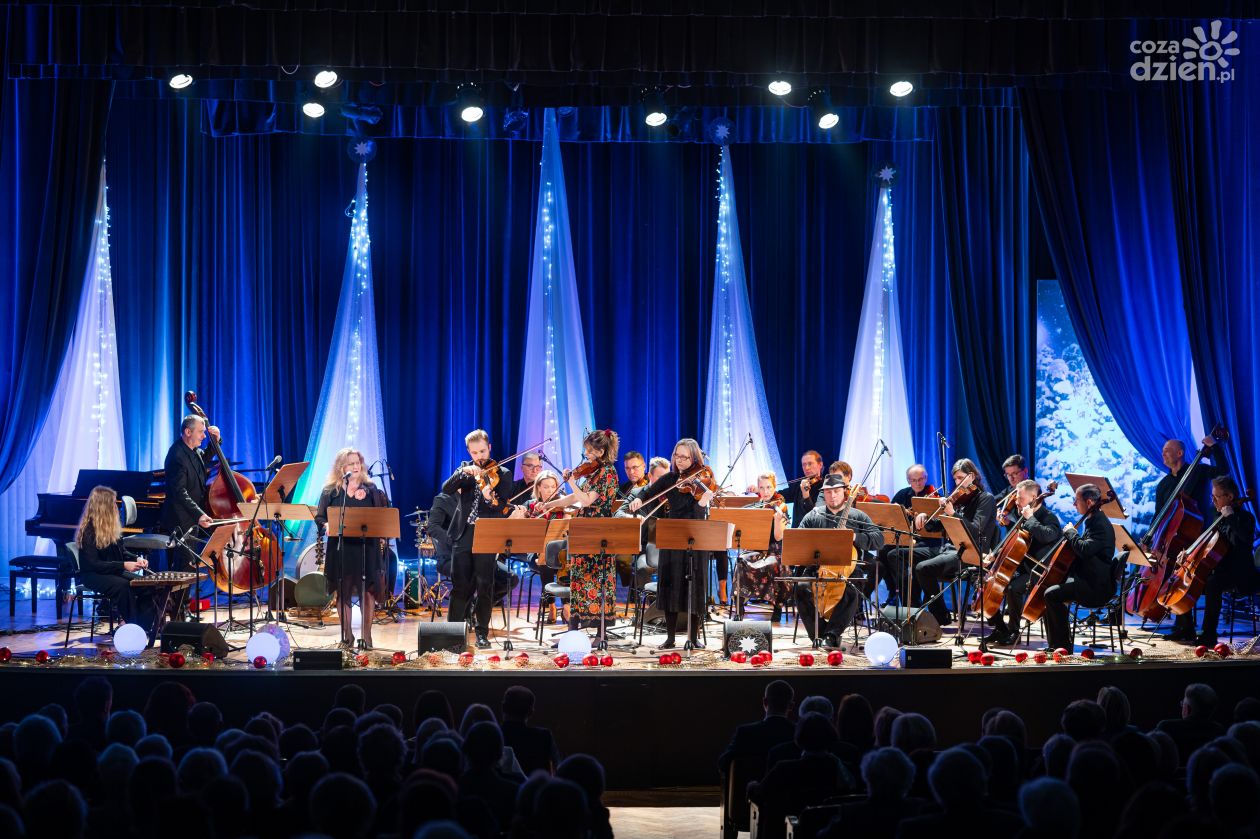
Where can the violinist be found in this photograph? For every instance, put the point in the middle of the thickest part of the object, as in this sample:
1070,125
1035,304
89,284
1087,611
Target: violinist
531,466
917,478
759,583
674,573
804,493
546,487
866,537
187,470
1043,532
591,580
636,473
976,507
892,560
636,571
1089,577
1236,571
1015,471
348,485
478,490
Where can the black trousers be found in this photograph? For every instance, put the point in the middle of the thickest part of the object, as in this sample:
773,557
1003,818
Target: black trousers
472,574
841,616
892,568
133,607
1058,624
929,574
1013,600
1243,579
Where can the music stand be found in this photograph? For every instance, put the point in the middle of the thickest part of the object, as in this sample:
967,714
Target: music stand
371,523
753,529
603,538
507,536
282,484
216,550
896,524
693,535
1113,508
277,513
733,502
1126,542
832,547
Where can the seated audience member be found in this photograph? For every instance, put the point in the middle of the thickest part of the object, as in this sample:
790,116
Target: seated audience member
754,740
888,775
427,796
1049,809
1083,720
587,773
1116,711
342,807
790,751
34,743
1096,776
793,785
198,768
958,784
855,722
483,749
433,703
205,723
126,727
93,700
56,810
915,736
1234,795
534,746
1196,725
352,697
1247,710
884,719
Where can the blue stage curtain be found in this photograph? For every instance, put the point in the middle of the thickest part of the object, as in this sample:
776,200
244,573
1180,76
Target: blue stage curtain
985,204
1215,131
1100,163
51,144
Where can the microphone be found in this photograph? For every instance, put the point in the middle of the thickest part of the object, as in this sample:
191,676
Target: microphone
345,479
389,469
885,445
275,463
751,444
941,437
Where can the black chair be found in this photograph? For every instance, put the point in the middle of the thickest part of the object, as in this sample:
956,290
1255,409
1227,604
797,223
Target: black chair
556,592
734,807
1109,613
70,553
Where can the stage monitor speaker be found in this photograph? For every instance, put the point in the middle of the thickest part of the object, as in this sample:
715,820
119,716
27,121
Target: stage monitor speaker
317,659
442,635
747,637
923,630
199,636
926,658
655,618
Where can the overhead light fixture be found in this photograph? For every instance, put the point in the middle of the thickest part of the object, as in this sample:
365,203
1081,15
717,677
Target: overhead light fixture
900,88
314,110
179,81
655,114
470,102
824,116
780,87
326,78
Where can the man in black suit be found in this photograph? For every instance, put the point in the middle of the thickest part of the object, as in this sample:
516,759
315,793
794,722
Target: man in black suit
1089,578
534,746
187,472
1196,725
756,739
792,785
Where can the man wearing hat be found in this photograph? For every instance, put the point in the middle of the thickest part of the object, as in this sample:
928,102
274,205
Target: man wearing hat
866,537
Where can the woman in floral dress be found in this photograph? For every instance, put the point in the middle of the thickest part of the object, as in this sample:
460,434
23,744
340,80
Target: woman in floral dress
589,576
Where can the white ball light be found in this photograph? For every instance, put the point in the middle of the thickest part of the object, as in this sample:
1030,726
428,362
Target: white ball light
314,110
574,643
265,645
881,649
471,114
828,121
902,88
179,81
326,78
780,87
130,640
656,119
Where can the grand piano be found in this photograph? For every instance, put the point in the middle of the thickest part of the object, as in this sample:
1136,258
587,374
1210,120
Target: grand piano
58,513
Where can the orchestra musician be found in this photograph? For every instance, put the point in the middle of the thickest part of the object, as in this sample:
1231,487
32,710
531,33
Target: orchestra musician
531,466
1089,577
187,477
591,580
637,570
978,508
804,494
479,492
1236,571
546,487
348,485
104,565
636,473
1015,471
866,537
673,572
759,583
1043,532
1174,454
892,560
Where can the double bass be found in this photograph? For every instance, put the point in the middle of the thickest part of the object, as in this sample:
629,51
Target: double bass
1005,562
1057,564
257,560
1174,530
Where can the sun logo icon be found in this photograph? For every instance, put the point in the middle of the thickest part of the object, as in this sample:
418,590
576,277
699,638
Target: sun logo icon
1213,49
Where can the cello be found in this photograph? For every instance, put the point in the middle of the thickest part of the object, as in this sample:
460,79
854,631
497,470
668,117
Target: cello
1175,528
1057,564
1005,562
1189,573
256,561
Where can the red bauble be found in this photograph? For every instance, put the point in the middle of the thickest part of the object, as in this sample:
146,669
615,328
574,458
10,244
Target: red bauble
1061,654
494,659
361,658
208,656
591,660
1134,652
466,659
664,660
739,657
400,657
973,656
1087,654
41,657
675,658
987,659
1040,658
1200,651
606,661
259,662
835,658
757,660
806,660
5,654
562,661
1223,650
1021,657
177,660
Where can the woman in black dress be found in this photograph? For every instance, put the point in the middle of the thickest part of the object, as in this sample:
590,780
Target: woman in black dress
345,556
673,572
104,566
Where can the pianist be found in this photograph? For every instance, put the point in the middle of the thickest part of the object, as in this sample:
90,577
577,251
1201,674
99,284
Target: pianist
104,566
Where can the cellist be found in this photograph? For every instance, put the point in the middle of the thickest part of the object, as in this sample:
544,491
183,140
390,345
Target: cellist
1043,532
1174,455
866,537
1089,577
1236,571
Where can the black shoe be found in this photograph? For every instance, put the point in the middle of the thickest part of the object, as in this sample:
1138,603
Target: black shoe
669,644
1181,636
831,642
1002,637
483,643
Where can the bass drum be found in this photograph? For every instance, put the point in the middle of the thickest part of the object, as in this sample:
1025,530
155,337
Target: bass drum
311,591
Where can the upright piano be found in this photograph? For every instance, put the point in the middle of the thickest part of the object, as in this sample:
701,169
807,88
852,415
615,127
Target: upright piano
58,515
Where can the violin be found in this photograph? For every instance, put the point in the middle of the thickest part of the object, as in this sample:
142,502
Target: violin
964,490
586,469
489,476
930,491
864,496
698,480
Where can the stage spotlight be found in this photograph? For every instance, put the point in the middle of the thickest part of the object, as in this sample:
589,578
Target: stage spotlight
179,81
471,102
314,110
326,78
780,87
655,114
901,88
824,116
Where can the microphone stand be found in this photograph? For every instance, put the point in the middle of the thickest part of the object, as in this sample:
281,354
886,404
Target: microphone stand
394,611
729,471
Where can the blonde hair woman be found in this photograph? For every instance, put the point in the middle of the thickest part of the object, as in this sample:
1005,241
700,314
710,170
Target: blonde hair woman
104,566
348,485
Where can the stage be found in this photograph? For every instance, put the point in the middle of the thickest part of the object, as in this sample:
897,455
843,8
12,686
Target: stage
637,716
